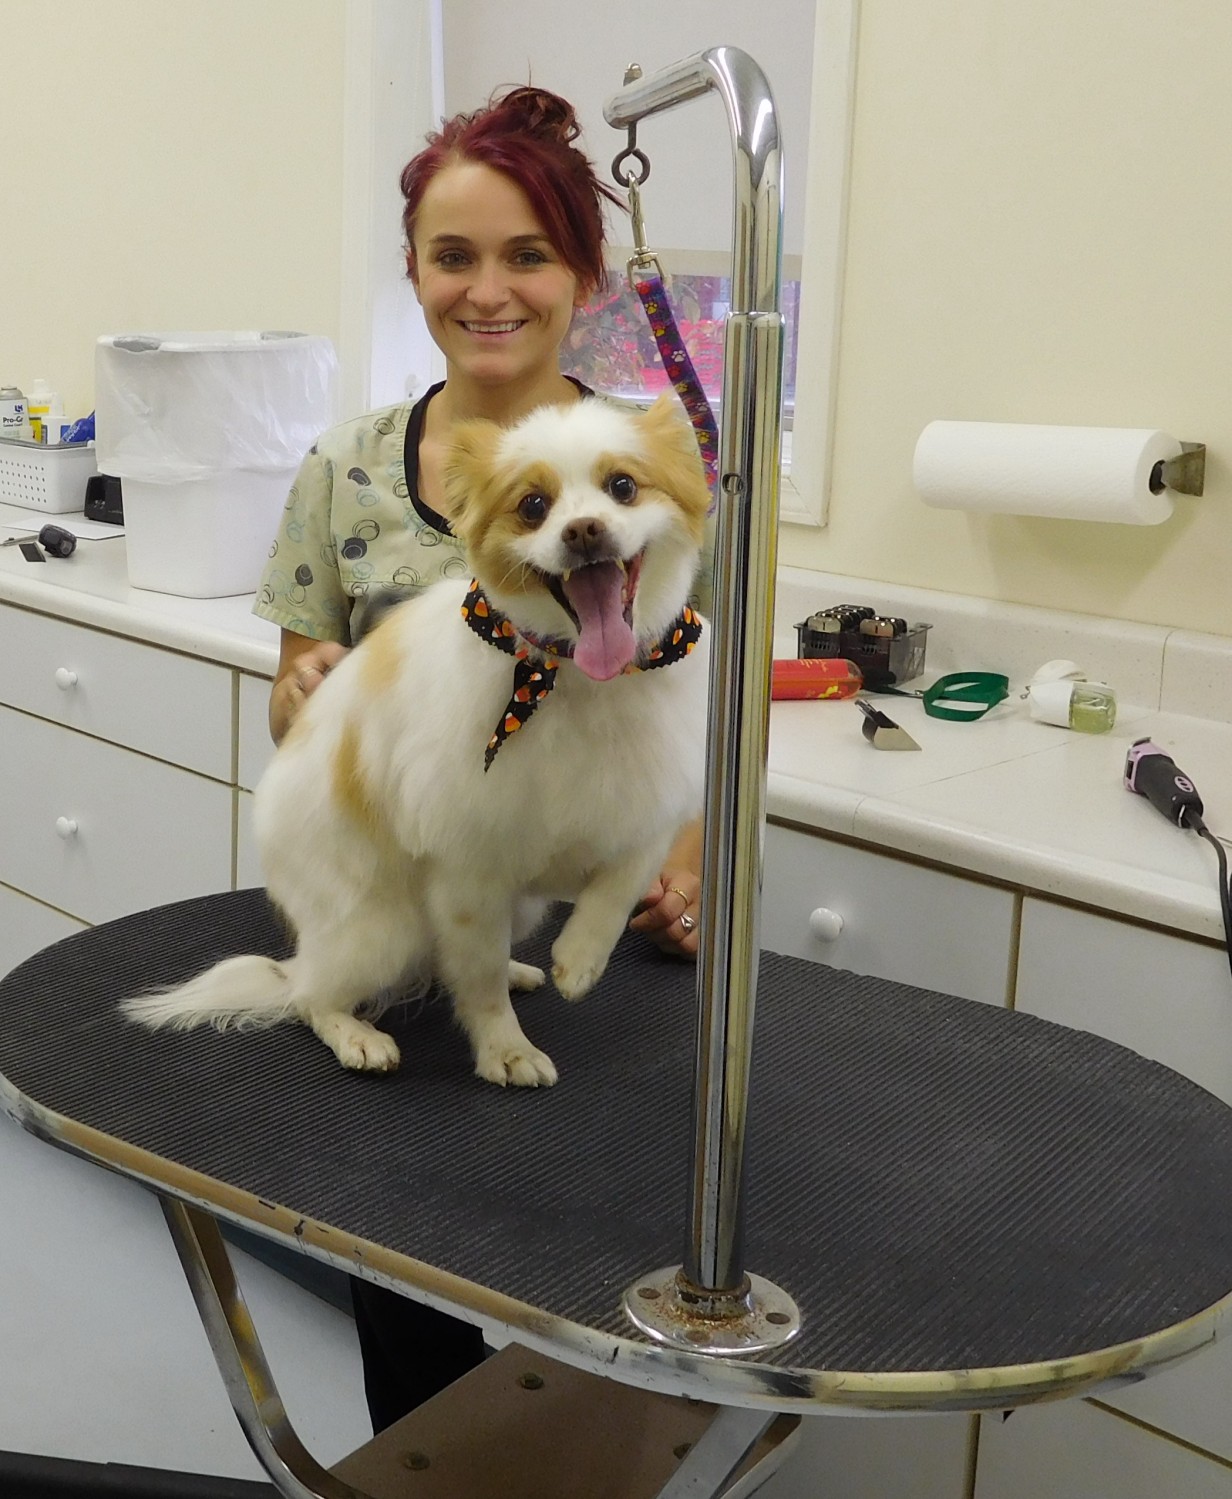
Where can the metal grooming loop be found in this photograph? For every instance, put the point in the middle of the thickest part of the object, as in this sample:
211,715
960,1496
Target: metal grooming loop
710,1302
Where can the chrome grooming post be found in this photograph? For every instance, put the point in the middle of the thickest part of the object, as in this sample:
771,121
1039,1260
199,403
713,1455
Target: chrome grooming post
710,1303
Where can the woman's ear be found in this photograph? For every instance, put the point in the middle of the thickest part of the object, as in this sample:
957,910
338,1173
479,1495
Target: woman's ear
412,272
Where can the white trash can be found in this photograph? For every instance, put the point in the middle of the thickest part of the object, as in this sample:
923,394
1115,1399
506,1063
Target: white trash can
205,432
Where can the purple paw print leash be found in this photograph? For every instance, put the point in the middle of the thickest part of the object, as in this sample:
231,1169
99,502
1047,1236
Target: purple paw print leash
679,366
646,278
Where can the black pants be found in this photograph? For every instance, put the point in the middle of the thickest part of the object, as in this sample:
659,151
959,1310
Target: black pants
410,1351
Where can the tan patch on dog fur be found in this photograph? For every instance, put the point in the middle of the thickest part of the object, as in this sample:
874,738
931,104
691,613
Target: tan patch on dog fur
349,786
673,463
484,512
381,657
468,468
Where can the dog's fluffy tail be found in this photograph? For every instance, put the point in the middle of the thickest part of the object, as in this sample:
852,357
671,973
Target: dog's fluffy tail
238,993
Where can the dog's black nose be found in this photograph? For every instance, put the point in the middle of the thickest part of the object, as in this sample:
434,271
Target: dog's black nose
587,535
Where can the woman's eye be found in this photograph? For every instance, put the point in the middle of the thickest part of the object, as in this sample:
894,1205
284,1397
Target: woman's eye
451,260
533,508
530,257
622,489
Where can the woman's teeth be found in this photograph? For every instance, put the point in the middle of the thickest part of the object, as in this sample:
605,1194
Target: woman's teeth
492,327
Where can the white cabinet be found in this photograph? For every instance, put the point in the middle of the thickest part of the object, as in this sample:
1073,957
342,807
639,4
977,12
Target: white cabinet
122,761
27,926
103,1358
871,913
108,831
883,1457
256,748
1168,998
171,706
1075,1450
247,864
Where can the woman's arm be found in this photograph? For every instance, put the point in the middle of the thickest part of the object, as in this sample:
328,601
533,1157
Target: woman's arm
302,663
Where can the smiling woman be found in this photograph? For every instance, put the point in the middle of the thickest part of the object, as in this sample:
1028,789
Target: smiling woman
504,239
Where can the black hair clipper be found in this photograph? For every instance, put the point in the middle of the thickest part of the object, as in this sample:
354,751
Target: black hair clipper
1153,773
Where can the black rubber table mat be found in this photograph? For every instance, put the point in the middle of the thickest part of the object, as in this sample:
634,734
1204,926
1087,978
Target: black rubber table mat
940,1184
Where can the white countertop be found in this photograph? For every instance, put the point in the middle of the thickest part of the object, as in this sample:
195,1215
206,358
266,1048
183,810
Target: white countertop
91,587
1004,797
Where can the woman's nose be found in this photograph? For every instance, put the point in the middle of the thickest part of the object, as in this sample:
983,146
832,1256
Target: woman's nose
490,287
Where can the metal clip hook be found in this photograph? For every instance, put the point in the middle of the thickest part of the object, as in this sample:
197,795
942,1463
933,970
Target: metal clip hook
643,258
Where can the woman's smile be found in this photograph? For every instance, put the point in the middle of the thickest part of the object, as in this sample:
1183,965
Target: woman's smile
487,330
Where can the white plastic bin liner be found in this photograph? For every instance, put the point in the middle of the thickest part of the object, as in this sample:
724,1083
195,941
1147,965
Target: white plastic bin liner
173,406
206,432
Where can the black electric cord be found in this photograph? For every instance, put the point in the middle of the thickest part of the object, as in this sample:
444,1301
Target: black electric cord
1153,773
1194,821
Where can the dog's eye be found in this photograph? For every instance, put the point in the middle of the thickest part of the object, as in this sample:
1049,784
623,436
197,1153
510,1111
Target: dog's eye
533,508
621,488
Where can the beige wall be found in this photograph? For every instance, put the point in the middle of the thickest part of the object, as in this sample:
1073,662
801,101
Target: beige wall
1040,230
168,164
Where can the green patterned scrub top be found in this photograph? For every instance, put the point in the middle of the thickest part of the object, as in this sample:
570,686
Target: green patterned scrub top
353,530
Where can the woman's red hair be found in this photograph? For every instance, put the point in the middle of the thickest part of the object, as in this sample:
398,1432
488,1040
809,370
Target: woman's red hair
526,134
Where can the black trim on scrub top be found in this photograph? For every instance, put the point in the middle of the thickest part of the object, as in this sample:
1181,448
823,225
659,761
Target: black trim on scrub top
410,455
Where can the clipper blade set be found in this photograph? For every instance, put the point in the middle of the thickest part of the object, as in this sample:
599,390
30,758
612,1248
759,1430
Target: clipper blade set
887,650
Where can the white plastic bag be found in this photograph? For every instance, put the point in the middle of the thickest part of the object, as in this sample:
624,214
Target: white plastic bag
171,407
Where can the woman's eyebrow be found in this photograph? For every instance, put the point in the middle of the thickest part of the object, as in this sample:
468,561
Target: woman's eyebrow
513,240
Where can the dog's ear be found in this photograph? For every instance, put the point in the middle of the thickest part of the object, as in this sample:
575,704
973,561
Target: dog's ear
676,458
469,461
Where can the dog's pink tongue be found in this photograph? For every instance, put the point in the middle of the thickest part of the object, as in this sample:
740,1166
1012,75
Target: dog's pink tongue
605,638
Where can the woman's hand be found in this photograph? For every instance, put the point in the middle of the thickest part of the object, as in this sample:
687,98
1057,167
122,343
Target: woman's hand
302,666
671,908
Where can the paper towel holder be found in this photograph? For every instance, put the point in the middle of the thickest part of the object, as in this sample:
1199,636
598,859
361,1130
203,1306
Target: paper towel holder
1185,474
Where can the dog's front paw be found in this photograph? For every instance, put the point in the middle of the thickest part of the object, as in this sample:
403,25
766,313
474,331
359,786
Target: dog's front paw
524,975
517,1062
357,1044
576,966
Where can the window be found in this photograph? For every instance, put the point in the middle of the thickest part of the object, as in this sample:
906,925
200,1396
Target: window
610,346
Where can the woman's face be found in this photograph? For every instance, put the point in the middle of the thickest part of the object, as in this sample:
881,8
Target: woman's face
495,293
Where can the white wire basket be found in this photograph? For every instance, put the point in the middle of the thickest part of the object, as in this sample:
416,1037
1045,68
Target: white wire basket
51,479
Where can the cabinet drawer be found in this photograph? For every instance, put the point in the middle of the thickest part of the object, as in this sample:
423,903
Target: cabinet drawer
898,920
1168,998
1073,1450
26,927
247,861
153,700
99,831
256,746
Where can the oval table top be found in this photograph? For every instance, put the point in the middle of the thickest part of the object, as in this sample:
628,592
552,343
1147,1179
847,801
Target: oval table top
972,1208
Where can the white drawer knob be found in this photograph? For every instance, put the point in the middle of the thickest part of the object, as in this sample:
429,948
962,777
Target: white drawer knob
65,678
825,924
66,827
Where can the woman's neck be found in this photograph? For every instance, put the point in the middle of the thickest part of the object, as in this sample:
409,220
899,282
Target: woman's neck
461,399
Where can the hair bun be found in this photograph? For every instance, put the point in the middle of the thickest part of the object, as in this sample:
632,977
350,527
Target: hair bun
541,113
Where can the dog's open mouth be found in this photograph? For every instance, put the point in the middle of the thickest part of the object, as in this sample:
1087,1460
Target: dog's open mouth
599,600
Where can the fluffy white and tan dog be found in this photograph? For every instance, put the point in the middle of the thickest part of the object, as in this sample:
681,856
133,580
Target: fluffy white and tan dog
485,751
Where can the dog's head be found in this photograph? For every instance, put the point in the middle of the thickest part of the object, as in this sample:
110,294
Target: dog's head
582,522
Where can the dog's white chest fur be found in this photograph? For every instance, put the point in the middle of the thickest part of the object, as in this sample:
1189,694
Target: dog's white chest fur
600,768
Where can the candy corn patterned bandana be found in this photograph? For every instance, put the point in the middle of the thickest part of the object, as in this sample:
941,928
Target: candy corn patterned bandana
534,676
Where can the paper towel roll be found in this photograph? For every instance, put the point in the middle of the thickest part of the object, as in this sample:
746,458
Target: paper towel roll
1015,468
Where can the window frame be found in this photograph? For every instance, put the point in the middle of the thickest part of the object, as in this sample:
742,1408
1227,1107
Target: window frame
376,307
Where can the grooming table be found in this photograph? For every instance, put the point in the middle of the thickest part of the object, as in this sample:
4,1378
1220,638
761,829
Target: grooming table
973,1208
